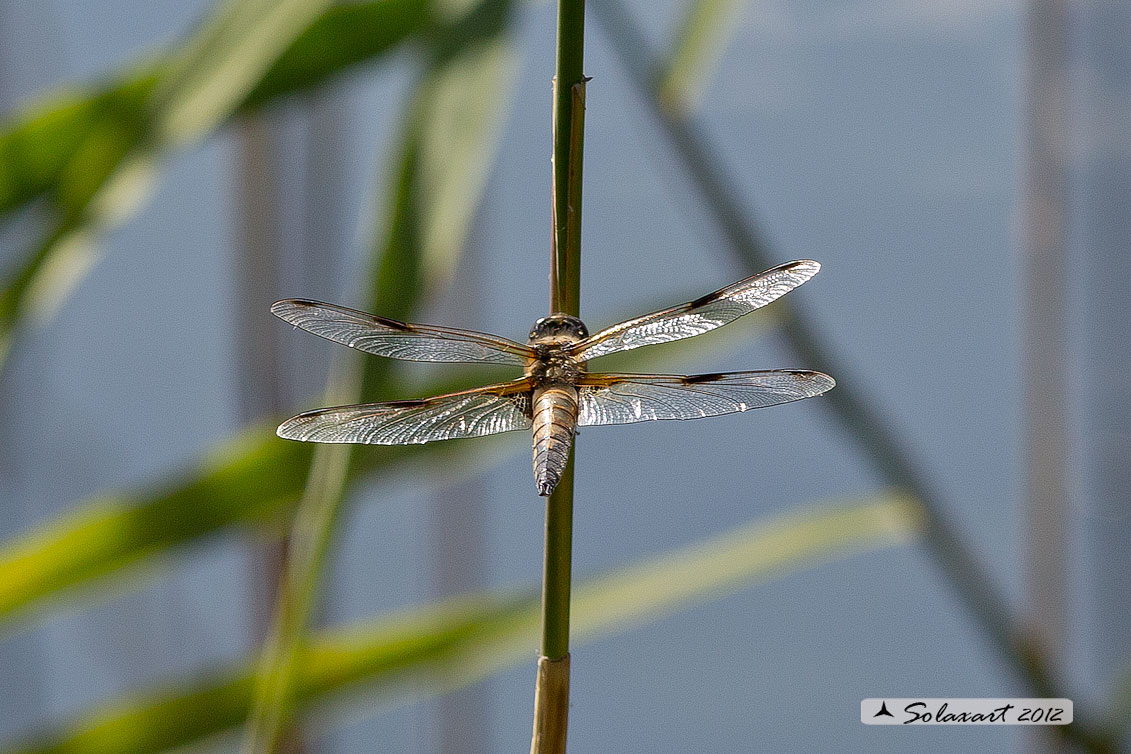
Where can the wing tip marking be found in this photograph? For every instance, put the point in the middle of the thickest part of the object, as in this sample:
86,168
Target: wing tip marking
295,302
809,265
822,380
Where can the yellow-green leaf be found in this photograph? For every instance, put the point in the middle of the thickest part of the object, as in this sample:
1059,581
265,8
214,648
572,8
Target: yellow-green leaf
97,157
703,35
40,141
439,647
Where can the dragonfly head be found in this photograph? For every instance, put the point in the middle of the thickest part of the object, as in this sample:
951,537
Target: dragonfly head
558,327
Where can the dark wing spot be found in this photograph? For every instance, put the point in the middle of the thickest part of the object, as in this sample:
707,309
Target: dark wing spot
393,324
409,403
703,300
298,303
693,379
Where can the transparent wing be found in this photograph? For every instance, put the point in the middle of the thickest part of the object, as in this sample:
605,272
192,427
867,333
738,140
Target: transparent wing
399,340
470,413
699,316
628,398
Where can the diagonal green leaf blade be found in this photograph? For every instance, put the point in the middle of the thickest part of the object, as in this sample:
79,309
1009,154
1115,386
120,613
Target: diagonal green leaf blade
38,144
250,480
342,37
702,37
213,73
116,141
254,482
439,647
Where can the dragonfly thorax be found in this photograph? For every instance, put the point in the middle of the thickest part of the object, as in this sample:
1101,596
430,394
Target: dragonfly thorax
550,337
554,366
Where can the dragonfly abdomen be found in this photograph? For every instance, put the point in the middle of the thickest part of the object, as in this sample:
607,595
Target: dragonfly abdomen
555,418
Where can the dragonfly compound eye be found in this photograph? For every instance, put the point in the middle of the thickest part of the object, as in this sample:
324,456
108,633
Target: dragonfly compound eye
557,326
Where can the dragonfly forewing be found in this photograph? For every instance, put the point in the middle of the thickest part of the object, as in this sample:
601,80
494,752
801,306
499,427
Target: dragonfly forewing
400,340
701,315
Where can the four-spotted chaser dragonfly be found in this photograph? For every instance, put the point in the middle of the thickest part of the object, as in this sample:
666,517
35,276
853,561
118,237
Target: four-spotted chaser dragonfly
557,393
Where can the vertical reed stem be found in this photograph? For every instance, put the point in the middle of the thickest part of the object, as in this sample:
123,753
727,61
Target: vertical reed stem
551,697
569,122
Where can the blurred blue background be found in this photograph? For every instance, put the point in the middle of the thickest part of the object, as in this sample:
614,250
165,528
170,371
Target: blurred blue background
884,138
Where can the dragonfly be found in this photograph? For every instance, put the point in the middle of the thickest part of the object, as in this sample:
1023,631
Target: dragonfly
556,393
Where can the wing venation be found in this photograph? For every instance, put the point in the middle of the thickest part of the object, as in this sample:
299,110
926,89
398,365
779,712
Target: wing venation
702,315
399,340
628,398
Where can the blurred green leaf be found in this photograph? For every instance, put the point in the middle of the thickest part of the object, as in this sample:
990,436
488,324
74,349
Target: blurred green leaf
439,647
95,156
342,37
208,77
459,134
254,481
37,146
703,35
39,143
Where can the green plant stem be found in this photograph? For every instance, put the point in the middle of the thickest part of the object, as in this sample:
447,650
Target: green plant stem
557,568
551,696
565,296
569,114
270,720
862,422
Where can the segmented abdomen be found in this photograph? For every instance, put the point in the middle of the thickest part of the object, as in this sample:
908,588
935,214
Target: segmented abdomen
555,417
